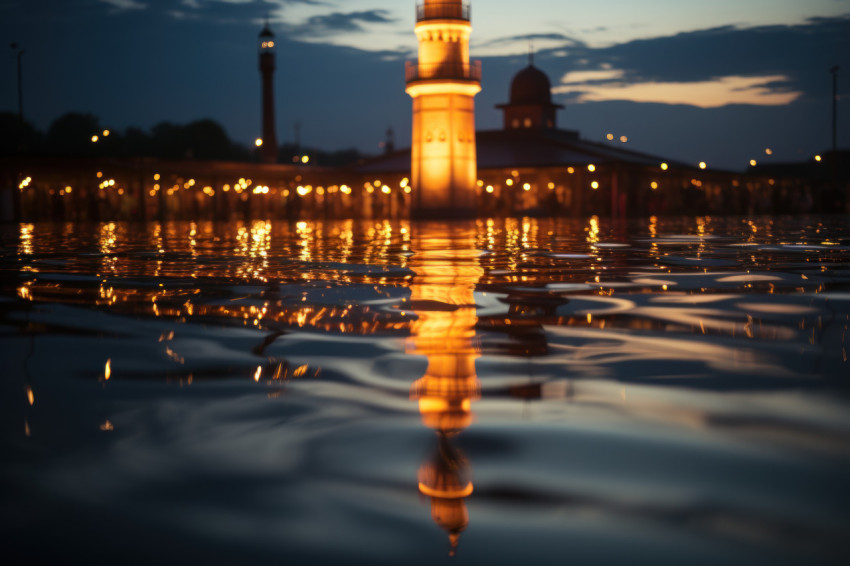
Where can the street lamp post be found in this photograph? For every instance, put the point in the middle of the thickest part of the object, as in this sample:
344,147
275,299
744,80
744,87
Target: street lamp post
834,72
16,49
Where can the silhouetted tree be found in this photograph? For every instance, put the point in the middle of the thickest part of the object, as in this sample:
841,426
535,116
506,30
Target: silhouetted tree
18,137
136,143
71,134
202,139
208,140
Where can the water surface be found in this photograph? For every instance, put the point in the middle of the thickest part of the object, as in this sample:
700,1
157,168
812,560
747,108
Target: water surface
544,391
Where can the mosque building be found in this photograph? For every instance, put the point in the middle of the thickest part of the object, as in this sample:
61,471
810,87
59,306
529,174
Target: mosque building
530,164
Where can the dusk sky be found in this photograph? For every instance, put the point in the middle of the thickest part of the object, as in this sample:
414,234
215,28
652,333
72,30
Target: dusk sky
719,81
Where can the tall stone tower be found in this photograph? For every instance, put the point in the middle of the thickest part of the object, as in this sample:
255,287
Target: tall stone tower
268,151
443,84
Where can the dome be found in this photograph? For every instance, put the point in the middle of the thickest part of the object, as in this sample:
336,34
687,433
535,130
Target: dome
531,86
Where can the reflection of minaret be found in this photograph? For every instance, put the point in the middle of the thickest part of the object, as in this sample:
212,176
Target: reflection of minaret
442,84
269,147
447,272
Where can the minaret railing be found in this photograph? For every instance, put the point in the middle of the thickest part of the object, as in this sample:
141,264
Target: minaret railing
415,71
443,11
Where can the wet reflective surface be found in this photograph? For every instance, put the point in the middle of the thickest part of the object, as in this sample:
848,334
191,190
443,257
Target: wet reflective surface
544,391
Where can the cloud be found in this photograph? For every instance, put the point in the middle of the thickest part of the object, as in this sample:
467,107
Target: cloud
518,43
765,66
235,11
597,86
122,5
563,39
346,22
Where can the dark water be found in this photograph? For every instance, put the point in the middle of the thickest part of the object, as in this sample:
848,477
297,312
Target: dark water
507,391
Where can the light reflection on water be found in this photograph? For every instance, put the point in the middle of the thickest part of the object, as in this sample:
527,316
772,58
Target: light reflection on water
660,392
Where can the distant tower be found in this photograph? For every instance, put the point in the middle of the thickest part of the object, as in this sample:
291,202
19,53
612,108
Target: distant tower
443,85
389,141
268,150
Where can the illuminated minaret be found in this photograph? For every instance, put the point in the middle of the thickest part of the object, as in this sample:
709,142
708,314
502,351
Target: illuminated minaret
269,148
443,84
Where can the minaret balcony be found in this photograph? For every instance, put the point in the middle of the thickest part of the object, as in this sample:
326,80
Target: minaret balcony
443,11
415,72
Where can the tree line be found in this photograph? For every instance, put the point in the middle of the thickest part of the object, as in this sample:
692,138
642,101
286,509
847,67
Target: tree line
77,134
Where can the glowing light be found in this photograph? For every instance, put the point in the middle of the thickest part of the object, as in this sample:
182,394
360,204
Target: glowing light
551,186
258,142
490,189
753,163
526,187
702,165
407,190
386,190
594,185
258,373
818,158
99,174
107,426
305,159
654,185
30,396
591,167
107,371
509,182
156,177
570,170
768,151
610,137
664,167
106,133
624,139
94,139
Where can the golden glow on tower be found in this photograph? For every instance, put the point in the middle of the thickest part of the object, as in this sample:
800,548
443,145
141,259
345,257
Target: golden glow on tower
443,84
